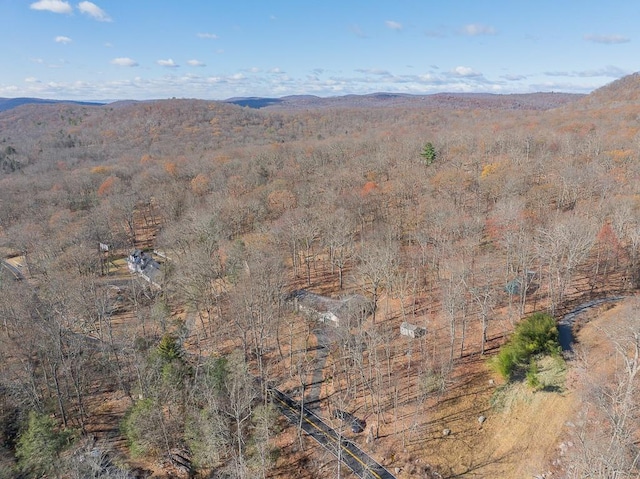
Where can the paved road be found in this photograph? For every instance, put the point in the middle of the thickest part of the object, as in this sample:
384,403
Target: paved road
565,325
14,271
350,454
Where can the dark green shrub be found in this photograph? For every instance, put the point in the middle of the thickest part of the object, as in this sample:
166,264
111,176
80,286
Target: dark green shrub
537,334
506,361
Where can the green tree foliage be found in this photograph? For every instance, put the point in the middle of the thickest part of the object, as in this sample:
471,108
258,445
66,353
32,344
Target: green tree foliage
156,423
226,425
39,446
217,372
428,153
207,430
537,334
169,349
142,426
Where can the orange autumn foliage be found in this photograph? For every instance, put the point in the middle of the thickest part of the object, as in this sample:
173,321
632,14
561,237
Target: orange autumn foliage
200,184
368,188
171,168
100,170
107,186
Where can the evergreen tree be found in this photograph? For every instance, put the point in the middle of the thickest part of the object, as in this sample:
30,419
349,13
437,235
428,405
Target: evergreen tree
428,153
39,446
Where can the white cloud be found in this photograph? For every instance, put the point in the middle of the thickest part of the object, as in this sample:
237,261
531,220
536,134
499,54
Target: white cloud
476,29
55,6
169,63
94,11
465,72
276,70
609,71
62,39
31,80
196,63
373,71
607,39
211,36
512,77
124,62
393,25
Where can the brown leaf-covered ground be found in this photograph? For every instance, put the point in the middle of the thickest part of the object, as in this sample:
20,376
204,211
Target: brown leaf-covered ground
517,187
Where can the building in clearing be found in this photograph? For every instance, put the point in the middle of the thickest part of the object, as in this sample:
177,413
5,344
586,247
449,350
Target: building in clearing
348,311
411,330
143,264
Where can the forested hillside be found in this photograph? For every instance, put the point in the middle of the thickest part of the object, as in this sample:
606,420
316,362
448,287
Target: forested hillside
461,220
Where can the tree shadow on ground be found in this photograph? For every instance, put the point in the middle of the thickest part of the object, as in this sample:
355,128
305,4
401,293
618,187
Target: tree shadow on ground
474,469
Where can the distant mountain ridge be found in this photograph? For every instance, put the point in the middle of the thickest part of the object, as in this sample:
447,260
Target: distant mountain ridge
521,101
516,101
10,103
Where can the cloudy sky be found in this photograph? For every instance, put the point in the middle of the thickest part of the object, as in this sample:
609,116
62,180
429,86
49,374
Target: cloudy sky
217,49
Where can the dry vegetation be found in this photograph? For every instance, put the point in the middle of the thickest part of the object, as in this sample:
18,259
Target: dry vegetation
248,205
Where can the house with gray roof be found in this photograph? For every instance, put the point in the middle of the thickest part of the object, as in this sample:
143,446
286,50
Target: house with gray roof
348,310
144,265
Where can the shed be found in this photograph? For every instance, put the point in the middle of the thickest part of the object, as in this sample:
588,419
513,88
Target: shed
515,286
411,330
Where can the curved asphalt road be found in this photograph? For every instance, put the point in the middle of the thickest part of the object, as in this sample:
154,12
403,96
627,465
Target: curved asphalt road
350,454
565,325
17,274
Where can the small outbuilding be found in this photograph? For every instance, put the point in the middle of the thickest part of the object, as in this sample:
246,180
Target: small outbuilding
515,286
411,330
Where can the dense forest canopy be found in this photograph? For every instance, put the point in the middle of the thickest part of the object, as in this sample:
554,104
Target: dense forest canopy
245,206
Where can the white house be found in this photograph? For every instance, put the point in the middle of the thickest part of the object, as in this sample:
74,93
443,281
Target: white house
143,264
411,330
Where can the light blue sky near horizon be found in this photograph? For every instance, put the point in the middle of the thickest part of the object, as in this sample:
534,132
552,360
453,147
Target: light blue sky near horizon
144,49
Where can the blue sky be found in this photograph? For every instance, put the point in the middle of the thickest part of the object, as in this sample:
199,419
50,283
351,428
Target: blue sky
213,49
